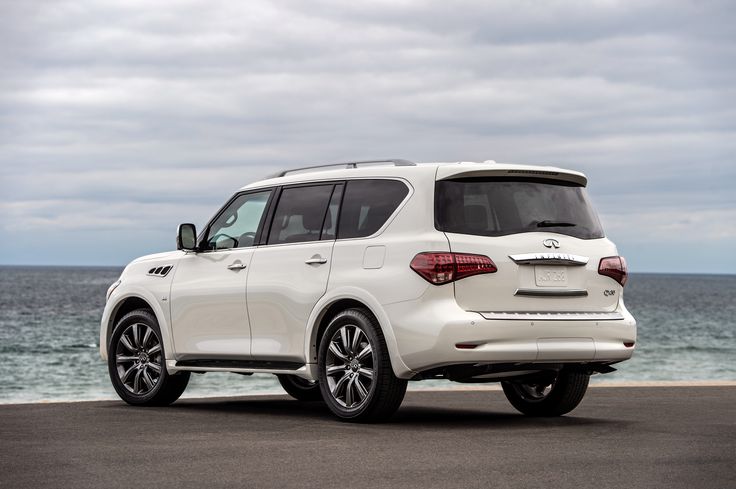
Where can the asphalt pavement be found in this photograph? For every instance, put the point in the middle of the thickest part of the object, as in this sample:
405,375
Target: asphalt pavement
632,437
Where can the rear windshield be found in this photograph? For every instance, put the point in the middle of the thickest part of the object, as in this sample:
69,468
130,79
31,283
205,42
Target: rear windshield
508,205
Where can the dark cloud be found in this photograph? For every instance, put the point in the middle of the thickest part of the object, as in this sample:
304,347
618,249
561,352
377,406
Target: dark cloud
119,119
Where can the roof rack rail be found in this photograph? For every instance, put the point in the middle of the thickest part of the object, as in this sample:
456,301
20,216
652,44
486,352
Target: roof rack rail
346,164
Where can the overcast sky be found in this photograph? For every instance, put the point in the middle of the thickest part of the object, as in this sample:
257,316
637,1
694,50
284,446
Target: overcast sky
119,120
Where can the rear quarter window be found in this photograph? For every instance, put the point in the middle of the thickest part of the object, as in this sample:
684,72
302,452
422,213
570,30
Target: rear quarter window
367,205
509,205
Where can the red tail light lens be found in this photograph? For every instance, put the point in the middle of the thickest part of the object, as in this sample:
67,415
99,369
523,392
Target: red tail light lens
614,267
443,268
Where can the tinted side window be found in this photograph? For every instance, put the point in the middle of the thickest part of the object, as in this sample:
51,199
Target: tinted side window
236,227
367,205
300,214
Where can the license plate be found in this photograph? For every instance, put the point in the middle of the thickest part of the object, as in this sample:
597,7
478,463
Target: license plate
550,276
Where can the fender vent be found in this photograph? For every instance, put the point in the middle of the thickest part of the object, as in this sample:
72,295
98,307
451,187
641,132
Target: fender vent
160,271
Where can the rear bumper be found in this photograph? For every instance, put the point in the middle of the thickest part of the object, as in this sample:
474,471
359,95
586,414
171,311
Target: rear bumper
428,336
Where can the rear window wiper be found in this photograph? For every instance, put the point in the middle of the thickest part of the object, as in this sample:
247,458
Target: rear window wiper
547,223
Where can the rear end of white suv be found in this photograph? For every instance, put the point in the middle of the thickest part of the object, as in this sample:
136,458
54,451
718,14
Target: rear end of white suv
527,291
348,283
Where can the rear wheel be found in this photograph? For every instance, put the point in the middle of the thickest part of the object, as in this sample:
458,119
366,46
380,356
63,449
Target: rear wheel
136,362
355,374
550,397
300,389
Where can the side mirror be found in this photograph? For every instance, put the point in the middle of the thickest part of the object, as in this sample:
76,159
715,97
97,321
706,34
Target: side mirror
186,237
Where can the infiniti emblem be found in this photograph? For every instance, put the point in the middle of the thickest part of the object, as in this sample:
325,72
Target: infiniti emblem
551,243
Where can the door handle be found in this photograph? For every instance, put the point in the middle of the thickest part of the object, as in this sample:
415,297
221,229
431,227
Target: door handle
237,266
316,260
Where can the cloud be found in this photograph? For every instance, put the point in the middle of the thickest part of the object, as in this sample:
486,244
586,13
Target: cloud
160,110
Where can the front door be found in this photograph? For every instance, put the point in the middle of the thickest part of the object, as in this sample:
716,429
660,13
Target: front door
209,313
288,274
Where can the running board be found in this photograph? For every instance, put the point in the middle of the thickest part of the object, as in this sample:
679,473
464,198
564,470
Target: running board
240,364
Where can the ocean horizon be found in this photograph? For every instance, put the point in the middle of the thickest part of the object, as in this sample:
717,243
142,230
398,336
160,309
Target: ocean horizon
49,335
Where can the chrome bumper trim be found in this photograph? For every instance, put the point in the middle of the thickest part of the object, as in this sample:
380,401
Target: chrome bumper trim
553,316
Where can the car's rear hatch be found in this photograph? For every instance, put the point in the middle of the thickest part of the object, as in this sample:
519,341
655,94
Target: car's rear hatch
539,229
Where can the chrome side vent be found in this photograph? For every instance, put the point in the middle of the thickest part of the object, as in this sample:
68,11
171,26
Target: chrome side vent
160,271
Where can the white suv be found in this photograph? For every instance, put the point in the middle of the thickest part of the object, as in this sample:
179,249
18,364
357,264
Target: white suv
348,280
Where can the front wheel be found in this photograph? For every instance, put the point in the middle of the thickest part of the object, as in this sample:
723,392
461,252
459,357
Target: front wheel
136,362
355,374
550,397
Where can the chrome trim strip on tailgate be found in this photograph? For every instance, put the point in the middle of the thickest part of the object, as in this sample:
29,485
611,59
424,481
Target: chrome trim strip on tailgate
553,316
552,292
549,259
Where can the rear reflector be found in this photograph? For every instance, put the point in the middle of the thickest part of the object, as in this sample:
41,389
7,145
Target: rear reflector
614,267
628,344
441,267
465,346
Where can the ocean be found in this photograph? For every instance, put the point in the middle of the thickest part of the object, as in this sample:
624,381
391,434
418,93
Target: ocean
49,334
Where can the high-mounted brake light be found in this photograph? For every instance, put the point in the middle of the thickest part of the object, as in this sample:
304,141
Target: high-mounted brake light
614,267
441,267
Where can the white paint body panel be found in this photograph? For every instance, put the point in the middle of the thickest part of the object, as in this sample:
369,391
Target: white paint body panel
273,308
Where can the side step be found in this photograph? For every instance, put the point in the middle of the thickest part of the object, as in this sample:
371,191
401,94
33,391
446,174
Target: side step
240,364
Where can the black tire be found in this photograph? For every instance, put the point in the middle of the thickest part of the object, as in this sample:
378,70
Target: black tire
133,361
382,397
544,399
300,389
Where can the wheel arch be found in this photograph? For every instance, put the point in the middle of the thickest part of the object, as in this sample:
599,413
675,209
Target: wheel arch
130,302
328,307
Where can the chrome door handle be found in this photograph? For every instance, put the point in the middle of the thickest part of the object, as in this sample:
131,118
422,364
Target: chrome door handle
316,260
237,266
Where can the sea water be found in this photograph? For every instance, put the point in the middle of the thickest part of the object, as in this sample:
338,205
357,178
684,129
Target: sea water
50,322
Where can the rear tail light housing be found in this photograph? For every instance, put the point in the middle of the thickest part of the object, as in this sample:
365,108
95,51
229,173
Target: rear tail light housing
614,267
442,267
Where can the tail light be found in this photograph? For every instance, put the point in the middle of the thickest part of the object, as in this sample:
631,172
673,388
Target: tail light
443,268
614,267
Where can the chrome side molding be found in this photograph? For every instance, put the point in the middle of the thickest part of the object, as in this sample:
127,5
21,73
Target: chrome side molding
549,259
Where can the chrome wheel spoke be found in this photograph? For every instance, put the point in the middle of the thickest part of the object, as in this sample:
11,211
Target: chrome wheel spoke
345,339
137,381
147,378
146,337
336,369
136,336
125,359
338,386
154,349
336,351
356,340
126,375
155,367
365,372
360,388
125,341
349,392
364,352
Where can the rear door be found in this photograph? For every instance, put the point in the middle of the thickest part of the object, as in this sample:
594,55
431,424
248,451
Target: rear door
288,274
542,234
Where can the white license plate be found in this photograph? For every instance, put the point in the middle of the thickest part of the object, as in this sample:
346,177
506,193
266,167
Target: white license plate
550,276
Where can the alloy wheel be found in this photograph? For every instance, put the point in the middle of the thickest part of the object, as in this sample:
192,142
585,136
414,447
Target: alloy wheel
349,366
139,358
